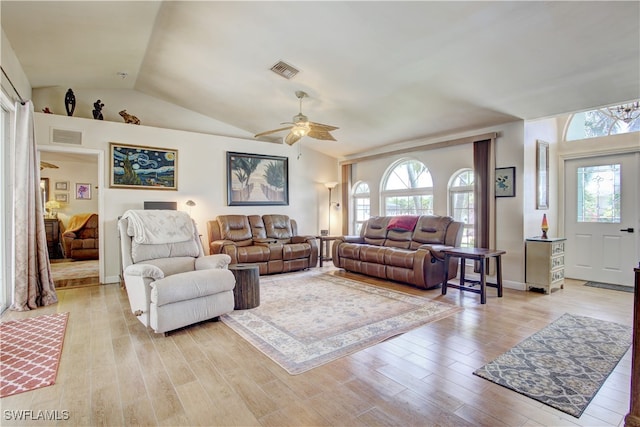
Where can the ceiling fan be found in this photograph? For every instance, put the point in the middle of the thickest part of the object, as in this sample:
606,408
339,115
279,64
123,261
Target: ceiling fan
301,126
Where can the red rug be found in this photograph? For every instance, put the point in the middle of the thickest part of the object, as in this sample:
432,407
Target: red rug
30,352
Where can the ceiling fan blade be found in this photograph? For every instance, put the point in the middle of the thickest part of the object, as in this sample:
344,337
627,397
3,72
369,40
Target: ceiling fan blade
44,165
321,134
269,132
291,138
324,127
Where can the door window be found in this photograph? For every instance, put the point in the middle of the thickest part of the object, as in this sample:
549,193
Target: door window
599,193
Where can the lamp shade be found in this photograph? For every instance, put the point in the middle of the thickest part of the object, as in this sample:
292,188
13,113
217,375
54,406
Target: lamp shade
330,185
52,204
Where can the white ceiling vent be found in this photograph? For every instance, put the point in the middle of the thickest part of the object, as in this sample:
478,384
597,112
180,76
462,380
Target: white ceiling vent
64,136
285,70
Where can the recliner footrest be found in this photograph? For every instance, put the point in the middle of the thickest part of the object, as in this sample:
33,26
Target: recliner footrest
190,285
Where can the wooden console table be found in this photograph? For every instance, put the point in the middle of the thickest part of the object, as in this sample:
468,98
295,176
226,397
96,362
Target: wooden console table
52,230
476,254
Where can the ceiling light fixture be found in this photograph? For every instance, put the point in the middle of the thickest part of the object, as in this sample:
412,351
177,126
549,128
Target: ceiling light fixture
626,112
301,129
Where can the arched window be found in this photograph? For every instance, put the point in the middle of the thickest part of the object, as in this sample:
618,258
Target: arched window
461,204
408,189
604,121
361,205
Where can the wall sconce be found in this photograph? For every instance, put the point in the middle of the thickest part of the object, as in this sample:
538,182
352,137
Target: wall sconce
191,204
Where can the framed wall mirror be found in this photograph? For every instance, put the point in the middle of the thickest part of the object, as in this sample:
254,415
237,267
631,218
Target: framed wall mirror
542,175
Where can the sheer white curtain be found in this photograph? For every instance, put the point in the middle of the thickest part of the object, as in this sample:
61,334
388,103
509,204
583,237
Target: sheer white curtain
33,283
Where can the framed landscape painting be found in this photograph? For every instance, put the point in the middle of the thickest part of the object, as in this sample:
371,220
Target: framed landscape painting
256,179
149,168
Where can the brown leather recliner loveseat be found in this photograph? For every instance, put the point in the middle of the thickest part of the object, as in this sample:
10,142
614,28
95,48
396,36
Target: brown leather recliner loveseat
401,248
270,241
81,239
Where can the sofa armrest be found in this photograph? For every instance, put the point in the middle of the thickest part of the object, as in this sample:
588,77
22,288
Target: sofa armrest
436,251
211,262
264,242
144,270
303,239
350,239
217,246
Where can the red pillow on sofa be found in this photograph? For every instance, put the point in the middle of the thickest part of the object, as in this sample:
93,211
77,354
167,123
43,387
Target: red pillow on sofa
403,222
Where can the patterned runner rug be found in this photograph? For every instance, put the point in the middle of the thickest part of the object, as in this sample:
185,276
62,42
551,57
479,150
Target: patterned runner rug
306,320
563,365
30,352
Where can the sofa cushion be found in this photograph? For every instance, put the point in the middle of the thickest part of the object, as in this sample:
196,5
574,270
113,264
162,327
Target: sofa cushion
249,254
258,230
399,258
278,227
235,228
398,239
372,253
142,252
430,229
375,230
295,251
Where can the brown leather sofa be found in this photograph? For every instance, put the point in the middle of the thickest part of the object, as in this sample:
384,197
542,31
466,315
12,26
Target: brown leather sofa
270,241
403,248
81,239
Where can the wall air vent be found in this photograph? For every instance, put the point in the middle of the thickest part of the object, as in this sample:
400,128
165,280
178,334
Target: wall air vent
63,136
285,70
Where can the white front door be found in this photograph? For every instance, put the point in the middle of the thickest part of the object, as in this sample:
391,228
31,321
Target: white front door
602,218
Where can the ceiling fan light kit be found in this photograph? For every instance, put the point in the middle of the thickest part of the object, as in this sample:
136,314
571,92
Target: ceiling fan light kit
300,126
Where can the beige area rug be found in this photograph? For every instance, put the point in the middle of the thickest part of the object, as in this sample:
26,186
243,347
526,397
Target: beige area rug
306,320
74,270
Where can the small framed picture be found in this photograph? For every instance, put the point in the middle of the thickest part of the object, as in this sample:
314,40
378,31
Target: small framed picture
506,182
83,191
62,197
62,186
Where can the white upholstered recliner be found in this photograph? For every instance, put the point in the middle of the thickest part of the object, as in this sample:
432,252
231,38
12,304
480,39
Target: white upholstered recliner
169,280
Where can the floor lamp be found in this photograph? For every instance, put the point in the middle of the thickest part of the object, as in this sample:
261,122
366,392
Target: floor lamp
330,186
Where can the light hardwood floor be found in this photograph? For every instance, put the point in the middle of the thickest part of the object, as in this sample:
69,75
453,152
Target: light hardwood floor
115,372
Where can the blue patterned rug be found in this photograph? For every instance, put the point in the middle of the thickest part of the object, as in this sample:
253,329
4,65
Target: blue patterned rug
563,365
610,286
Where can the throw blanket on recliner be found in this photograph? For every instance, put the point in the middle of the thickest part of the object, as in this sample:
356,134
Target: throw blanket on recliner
159,226
78,221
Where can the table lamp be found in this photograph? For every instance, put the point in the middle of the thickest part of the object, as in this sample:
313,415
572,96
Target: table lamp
52,205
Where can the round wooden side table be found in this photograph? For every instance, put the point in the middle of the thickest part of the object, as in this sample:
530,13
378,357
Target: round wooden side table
246,294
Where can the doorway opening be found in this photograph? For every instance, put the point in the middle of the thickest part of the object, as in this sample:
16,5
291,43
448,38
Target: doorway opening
74,209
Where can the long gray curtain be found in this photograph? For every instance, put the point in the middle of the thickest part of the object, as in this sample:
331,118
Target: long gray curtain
33,282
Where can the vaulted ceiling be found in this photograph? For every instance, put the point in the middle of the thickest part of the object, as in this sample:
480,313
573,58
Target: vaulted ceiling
383,72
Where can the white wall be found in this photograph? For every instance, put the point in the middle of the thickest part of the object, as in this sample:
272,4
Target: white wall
201,175
12,67
150,110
